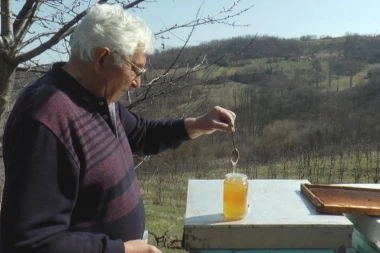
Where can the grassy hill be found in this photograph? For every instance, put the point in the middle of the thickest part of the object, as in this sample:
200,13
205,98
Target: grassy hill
287,126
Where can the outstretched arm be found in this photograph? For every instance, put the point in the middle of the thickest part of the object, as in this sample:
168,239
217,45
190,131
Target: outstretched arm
149,137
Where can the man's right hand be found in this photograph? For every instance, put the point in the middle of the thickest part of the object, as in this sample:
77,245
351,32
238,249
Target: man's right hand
139,246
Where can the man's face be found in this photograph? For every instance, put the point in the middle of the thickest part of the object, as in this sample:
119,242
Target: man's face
120,79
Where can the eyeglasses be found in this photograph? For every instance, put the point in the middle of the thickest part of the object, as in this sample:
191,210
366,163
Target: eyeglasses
139,71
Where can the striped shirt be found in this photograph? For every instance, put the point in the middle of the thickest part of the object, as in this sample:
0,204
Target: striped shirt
70,180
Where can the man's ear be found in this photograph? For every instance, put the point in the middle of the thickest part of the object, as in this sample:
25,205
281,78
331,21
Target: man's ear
100,57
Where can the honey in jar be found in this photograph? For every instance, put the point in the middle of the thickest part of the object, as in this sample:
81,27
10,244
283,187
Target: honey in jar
235,196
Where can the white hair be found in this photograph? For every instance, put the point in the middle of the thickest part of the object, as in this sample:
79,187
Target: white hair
110,26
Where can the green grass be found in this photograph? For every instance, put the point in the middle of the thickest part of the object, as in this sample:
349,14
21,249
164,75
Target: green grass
336,40
344,81
341,82
165,209
294,65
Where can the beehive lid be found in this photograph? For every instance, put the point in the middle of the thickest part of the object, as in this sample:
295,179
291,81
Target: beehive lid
279,217
369,226
338,199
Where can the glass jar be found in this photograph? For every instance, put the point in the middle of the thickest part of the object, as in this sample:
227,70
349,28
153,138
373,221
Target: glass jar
235,196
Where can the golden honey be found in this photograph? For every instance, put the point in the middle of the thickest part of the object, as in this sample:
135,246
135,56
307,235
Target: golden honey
235,196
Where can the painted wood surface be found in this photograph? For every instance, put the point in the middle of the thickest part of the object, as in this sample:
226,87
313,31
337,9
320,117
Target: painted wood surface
279,217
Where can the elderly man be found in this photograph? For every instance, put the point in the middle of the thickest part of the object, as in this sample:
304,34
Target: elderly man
68,144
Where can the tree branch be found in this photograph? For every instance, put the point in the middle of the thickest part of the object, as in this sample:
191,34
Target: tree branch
169,83
164,91
1,43
6,21
21,17
173,63
52,41
33,70
130,5
66,30
38,36
187,41
27,22
212,20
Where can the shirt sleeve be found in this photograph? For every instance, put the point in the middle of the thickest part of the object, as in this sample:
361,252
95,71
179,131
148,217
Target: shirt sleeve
40,191
148,137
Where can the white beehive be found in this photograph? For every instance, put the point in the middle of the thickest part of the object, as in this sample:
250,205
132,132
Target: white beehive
279,217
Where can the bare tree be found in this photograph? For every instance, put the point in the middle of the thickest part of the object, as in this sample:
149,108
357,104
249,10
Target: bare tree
317,68
351,72
331,69
41,26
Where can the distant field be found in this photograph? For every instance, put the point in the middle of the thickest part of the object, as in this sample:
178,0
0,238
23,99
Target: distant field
290,67
344,81
335,40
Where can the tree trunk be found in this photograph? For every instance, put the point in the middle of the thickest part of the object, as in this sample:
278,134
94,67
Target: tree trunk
331,69
316,78
351,73
351,77
7,75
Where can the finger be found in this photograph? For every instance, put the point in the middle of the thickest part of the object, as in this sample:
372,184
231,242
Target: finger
222,126
224,116
156,249
227,118
231,114
233,117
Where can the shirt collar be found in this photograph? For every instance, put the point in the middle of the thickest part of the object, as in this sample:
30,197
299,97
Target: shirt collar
72,84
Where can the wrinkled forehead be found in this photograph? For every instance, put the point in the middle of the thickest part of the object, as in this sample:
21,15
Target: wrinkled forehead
139,58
